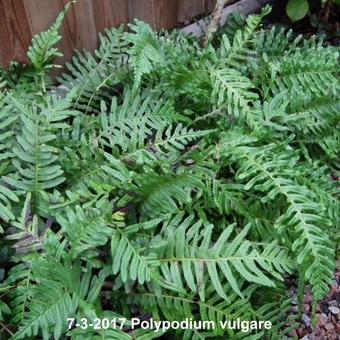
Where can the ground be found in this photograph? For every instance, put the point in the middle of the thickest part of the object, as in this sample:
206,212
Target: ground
326,324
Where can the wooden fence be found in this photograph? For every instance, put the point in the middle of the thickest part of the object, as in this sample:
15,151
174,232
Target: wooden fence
20,20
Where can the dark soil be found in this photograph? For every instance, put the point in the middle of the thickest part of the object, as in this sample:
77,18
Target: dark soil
321,20
325,324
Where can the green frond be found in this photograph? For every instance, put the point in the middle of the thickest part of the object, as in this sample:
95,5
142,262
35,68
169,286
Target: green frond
213,311
42,51
166,193
314,70
96,76
60,290
36,157
233,53
330,145
136,141
221,196
278,313
303,220
84,229
234,93
8,119
136,107
276,42
303,114
128,257
7,197
19,277
88,174
145,51
191,247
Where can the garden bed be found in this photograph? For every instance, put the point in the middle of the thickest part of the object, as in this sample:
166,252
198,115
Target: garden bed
168,178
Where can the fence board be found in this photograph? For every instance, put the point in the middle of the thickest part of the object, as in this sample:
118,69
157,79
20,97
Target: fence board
15,33
78,30
20,20
108,13
165,14
209,5
159,13
189,9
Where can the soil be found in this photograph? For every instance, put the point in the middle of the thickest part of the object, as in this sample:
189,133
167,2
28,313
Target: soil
325,325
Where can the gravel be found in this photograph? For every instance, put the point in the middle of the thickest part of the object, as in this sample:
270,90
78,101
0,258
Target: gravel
325,325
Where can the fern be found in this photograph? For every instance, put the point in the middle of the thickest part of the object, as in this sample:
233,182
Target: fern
145,50
302,215
127,256
94,76
167,180
234,92
42,52
61,290
233,260
6,197
84,230
36,157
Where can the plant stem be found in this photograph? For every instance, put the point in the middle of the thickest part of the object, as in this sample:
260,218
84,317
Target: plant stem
214,21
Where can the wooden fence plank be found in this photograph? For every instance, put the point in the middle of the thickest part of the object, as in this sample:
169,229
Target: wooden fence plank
15,33
165,14
110,13
20,20
188,9
78,30
209,5
142,10
158,13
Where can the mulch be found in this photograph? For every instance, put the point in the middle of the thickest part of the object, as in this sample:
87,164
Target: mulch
325,325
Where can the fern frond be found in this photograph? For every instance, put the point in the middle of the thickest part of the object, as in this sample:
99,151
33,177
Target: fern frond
8,119
145,51
214,310
278,313
127,256
304,114
19,276
166,193
103,174
7,196
234,92
36,157
84,229
95,76
61,288
136,141
136,107
276,42
220,196
42,51
234,53
192,248
303,219
305,69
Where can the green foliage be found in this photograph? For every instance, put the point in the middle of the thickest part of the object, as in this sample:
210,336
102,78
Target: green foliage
298,9
42,51
167,180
